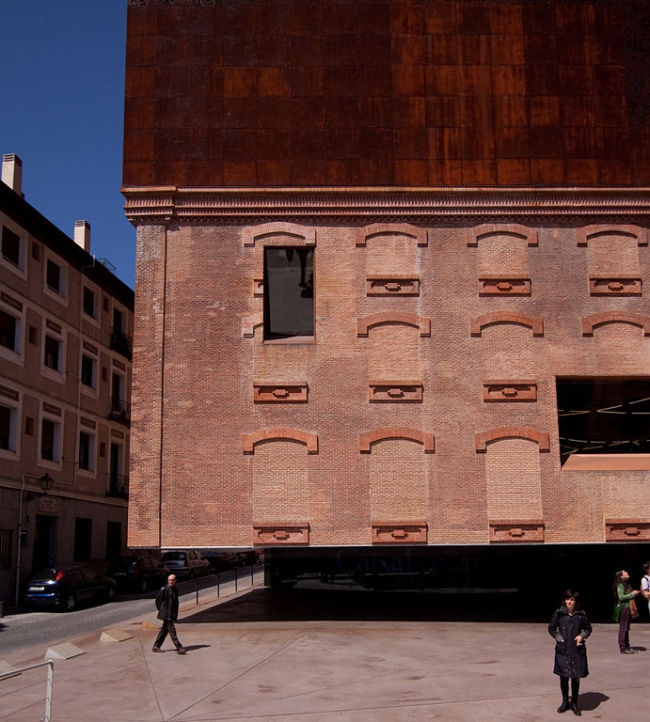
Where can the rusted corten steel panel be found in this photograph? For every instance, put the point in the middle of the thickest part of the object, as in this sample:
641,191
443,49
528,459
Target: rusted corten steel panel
387,93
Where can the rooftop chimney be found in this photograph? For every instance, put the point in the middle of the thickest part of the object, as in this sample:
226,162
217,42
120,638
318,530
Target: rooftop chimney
12,172
82,234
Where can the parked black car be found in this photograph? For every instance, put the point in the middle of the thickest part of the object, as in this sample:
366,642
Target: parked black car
138,573
64,587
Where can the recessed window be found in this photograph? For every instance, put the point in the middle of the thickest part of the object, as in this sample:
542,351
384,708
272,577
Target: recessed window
55,277
288,292
8,416
603,416
90,302
88,371
12,249
52,353
50,440
86,451
8,331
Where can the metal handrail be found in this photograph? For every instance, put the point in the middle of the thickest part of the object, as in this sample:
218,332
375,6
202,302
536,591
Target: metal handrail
50,682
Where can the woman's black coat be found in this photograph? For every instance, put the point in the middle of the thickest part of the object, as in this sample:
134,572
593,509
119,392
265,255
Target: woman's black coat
570,659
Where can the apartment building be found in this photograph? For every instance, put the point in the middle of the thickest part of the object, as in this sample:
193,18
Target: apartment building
392,278
65,380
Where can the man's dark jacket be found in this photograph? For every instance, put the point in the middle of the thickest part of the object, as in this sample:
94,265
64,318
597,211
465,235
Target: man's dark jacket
167,603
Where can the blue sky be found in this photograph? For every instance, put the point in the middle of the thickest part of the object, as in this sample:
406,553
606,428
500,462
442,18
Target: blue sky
61,111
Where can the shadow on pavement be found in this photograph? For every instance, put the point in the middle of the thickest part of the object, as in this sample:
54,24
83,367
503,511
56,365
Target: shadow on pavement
590,701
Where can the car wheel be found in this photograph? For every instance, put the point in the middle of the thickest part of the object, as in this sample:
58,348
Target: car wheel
70,603
111,594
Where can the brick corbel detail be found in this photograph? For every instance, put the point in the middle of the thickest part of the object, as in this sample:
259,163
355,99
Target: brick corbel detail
511,432
397,432
474,235
419,235
280,533
301,235
535,323
584,235
250,323
504,286
393,317
627,530
279,393
399,532
615,286
280,434
589,323
509,390
516,531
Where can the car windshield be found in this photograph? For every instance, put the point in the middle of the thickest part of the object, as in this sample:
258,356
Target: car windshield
45,575
121,565
173,556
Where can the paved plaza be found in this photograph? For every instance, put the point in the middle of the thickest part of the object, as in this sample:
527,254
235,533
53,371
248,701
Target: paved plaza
310,657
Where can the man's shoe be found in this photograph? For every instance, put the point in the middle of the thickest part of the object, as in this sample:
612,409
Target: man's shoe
564,706
157,649
574,709
180,650
627,651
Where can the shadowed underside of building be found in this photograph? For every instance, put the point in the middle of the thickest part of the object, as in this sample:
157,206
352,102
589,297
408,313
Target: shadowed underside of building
391,274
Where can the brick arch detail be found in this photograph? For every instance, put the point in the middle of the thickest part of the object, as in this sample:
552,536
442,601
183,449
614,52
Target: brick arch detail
281,433
397,432
474,235
535,323
589,323
300,234
393,317
584,235
481,440
419,235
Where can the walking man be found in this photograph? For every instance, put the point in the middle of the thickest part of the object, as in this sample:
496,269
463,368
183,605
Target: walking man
167,606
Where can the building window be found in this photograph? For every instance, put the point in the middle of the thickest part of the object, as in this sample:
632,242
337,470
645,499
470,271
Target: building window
288,292
9,325
52,354
88,371
90,302
603,416
86,451
50,440
55,277
113,540
12,247
8,421
83,535
6,556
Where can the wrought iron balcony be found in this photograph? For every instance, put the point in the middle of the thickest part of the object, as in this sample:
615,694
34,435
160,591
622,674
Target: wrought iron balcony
119,410
121,343
118,486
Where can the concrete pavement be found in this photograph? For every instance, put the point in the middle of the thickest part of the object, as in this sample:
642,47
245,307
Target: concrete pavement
309,657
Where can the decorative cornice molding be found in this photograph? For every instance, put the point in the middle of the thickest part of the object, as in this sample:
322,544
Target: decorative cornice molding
158,204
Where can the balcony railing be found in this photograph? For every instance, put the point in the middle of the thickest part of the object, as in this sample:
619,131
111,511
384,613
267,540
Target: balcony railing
119,410
121,343
118,486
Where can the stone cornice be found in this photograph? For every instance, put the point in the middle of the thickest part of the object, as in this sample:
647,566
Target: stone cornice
162,204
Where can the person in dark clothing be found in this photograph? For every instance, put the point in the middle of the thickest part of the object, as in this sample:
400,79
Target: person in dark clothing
569,627
167,606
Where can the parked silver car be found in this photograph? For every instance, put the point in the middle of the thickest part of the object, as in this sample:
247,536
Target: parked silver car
185,564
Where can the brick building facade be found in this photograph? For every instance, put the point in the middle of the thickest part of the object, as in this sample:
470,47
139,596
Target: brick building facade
65,380
390,273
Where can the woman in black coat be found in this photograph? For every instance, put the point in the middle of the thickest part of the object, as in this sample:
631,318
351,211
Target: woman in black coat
569,627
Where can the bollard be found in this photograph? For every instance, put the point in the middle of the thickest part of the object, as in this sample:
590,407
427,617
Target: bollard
197,592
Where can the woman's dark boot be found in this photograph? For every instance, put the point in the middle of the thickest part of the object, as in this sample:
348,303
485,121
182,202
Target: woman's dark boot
564,706
574,707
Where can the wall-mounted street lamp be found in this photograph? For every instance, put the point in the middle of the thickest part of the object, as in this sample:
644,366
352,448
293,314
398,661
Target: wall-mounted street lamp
46,483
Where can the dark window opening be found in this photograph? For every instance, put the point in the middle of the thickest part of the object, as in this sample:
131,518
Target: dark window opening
89,303
51,357
288,292
603,416
85,450
48,440
87,371
5,428
83,532
54,276
11,246
8,331
113,540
